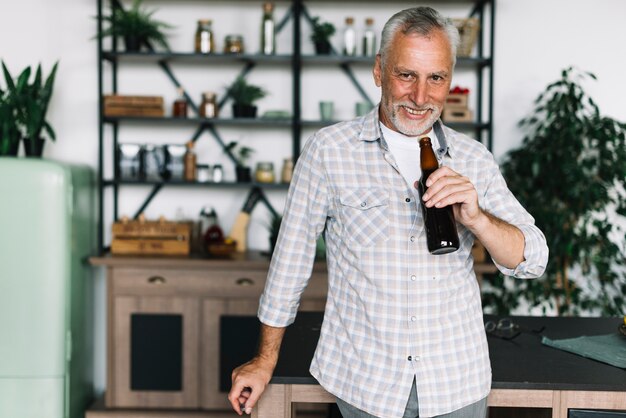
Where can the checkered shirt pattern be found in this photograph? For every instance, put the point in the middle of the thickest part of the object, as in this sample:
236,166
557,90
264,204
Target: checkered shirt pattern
393,310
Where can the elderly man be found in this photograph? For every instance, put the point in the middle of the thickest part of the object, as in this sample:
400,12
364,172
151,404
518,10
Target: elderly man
403,334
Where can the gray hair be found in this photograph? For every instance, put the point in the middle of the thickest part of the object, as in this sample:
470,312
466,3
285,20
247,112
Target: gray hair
420,20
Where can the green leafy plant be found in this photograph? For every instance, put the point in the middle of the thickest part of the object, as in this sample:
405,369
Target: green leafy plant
570,173
321,31
9,130
245,94
241,153
135,23
31,100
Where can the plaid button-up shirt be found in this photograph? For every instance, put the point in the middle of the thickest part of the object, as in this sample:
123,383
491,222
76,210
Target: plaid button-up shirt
394,311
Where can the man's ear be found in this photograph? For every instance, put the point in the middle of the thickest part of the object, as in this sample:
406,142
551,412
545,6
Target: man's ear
377,71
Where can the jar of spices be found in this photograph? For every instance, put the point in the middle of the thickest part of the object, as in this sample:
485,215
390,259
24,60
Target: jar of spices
218,173
203,173
205,43
208,107
190,163
233,44
287,172
265,172
179,107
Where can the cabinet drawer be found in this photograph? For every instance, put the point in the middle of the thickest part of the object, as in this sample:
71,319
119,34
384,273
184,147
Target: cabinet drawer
218,283
230,283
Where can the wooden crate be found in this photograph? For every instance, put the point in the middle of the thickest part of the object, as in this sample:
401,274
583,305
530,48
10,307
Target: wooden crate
455,114
468,31
142,237
457,100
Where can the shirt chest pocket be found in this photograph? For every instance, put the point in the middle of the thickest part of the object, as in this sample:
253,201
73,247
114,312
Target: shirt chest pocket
365,215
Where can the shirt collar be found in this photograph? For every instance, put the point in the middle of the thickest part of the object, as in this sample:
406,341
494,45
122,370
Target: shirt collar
371,132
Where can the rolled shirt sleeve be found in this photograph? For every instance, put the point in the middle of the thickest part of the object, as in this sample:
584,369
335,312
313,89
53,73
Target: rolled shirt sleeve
500,202
303,221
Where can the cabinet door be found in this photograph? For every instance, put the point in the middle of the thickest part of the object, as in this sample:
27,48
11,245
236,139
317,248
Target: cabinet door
155,355
212,309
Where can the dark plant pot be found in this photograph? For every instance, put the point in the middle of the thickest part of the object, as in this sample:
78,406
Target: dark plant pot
244,111
132,43
9,148
322,47
33,147
244,174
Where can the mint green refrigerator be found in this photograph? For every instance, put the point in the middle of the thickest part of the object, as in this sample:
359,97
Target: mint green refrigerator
47,231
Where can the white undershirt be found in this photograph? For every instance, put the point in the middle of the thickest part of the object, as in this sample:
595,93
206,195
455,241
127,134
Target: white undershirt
406,152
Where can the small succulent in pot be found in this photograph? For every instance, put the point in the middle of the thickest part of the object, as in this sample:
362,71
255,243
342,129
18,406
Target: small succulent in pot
241,154
244,95
320,36
136,26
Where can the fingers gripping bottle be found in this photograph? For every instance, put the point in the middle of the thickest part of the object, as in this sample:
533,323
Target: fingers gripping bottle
441,233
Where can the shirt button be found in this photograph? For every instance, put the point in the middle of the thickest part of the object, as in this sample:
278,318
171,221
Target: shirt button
407,200
413,278
412,239
409,358
414,318
363,204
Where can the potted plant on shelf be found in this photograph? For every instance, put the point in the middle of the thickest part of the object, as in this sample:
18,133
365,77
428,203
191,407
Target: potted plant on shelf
244,95
241,154
9,130
31,101
320,36
570,173
136,26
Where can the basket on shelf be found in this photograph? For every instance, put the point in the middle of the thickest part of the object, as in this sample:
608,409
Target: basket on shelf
468,30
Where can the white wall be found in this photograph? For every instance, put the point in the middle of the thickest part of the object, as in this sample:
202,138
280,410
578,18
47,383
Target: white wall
535,39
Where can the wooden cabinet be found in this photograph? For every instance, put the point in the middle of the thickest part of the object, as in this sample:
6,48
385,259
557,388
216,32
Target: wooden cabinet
154,352
164,325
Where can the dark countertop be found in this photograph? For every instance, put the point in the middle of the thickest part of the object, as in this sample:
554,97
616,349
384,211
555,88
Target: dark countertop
521,363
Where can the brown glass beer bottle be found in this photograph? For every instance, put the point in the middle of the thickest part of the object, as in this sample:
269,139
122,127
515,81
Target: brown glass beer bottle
441,234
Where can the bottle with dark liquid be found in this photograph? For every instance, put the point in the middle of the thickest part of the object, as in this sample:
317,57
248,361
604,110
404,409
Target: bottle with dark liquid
441,234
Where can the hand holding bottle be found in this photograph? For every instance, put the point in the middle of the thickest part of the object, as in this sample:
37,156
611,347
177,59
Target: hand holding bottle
447,187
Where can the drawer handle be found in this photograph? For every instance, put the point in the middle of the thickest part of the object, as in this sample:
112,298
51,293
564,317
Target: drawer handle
244,281
156,280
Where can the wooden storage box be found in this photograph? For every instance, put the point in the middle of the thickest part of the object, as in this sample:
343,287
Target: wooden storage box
455,114
457,100
468,30
151,238
119,105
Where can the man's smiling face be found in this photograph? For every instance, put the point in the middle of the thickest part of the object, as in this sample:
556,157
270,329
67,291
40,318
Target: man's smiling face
415,78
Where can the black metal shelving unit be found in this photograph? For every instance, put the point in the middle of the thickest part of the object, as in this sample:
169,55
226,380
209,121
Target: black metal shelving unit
298,13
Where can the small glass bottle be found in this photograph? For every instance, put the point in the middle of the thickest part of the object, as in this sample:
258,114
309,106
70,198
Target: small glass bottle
190,162
208,107
203,173
179,108
369,38
218,173
349,38
268,30
205,41
265,172
287,171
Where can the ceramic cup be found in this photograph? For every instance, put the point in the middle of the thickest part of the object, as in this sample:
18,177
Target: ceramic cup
326,110
362,108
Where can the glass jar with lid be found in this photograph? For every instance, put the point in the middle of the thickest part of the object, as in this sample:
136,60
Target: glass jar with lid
205,42
208,107
233,44
287,171
265,172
